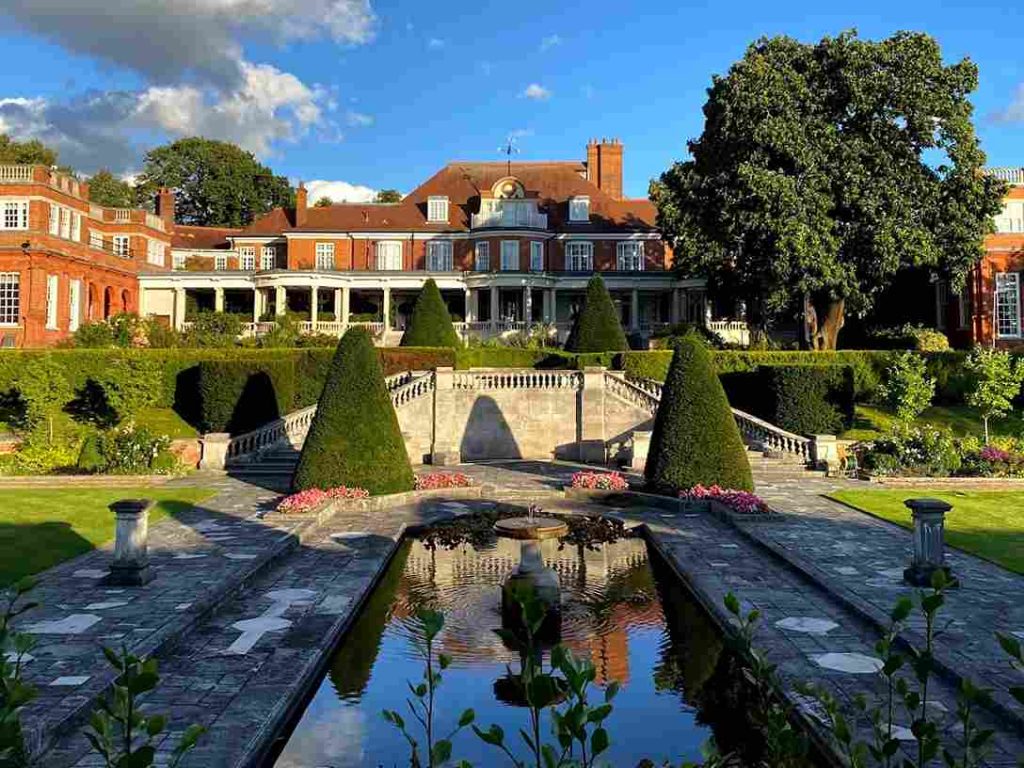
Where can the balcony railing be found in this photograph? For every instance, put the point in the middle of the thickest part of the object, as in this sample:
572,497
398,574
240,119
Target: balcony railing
15,174
1011,175
512,217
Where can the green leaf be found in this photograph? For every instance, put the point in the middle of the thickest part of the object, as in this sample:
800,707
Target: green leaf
597,714
732,604
467,717
494,735
441,752
611,691
444,660
901,610
155,724
598,741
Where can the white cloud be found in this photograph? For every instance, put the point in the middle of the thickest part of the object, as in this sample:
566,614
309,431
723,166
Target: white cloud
358,119
536,91
1014,111
550,42
339,191
520,133
435,43
165,39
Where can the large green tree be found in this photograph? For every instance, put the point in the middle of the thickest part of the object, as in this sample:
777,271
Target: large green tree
106,189
216,183
388,196
823,170
31,152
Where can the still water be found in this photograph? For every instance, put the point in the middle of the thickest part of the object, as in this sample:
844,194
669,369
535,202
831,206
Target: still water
630,616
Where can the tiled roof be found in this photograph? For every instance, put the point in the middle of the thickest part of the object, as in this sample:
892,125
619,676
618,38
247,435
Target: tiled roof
552,184
201,237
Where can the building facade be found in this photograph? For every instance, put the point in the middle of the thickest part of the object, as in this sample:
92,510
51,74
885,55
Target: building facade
64,260
510,245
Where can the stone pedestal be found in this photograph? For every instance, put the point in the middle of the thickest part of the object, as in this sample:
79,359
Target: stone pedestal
641,446
446,450
824,451
130,566
214,447
593,449
929,546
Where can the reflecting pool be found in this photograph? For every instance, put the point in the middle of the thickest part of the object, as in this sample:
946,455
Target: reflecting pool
621,606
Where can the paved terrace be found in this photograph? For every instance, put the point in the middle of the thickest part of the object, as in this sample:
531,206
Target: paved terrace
242,670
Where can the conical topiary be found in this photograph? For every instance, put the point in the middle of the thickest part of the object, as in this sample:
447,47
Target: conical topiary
354,439
696,440
430,325
598,328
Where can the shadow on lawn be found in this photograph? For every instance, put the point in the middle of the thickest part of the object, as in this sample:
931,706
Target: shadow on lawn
34,547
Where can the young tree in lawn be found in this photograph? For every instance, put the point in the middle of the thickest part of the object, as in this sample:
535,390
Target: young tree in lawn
907,389
355,439
217,184
824,169
995,381
430,324
597,327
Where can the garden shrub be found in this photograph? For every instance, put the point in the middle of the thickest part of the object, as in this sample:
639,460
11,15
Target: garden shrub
695,440
130,384
93,336
398,359
907,389
598,327
430,324
512,357
90,458
917,451
355,439
806,399
213,329
237,396
913,337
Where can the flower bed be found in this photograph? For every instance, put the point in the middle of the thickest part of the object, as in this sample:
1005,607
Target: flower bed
927,451
600,481
435,480
304,502
743,502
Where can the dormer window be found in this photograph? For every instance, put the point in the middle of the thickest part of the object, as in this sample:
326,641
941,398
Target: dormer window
579,209
437,208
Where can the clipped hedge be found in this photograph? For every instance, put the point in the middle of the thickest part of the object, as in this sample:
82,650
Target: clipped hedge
238,395
597,329
804,399
430,324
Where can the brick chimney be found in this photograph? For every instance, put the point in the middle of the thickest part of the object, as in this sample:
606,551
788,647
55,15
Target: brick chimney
301,205
604,166
165,207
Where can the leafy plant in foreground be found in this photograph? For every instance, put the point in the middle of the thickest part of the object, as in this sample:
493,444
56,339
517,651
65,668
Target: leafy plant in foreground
15,693
422,705
120,732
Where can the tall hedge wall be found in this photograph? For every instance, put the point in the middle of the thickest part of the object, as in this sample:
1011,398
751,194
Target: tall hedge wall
804,399
239,395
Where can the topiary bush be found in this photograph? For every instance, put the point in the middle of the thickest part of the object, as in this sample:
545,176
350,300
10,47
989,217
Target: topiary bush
238,396
806,399
90,457
430,325
695,440
355,439
598,328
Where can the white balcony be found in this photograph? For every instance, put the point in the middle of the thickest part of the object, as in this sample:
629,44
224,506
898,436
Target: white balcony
518,216
15,174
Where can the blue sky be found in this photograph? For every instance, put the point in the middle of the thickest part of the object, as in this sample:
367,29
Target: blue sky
381,94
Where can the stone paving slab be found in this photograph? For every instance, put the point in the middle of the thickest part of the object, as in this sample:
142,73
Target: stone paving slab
198,559
861,558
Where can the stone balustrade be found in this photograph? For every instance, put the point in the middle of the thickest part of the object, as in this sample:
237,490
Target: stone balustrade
513,378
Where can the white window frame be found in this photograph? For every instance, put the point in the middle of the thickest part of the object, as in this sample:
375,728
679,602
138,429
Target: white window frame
579,208
54,227
325,256
439,256
536,256
95,239
121,245
268,257
482,257
220,262
509,255
629,256
437,208
179,260
10,299
74,304
579,256
155,252
76,226
1007,305
65,223
52,291
13,214
247,258
389,255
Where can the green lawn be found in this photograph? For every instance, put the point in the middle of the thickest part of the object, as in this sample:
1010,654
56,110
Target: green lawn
989,524
164,421
871,421
42,527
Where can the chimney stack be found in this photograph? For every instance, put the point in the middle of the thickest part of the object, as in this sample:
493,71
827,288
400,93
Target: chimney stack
165,207
604,166
301,205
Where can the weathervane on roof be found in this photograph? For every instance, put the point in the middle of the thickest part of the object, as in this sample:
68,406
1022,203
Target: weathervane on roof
508,149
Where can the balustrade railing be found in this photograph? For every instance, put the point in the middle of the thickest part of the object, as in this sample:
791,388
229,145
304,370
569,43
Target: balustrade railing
287,428
517,379
122,215
632,392
418,385
154,221
14,174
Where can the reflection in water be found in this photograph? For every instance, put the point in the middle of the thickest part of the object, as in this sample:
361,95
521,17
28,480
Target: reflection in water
612,610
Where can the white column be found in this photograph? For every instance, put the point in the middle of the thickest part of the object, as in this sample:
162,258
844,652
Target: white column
553,301
634,310
218,299
546,305
313,306
387,308
257,296
470,309
674,306
344,305
179,308
527,305
337,305
495,308
281,300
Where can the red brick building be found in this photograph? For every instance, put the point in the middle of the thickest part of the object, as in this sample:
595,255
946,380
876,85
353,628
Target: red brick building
510,245
65,261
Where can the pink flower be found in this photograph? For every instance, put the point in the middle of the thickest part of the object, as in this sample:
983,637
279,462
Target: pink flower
600,481
434,480
310,499
744,502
